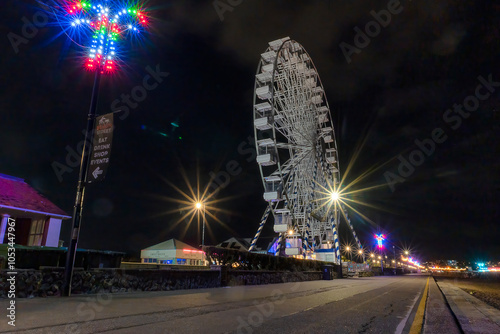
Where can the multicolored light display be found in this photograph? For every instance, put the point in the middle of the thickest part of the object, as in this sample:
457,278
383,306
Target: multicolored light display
380,238
108,22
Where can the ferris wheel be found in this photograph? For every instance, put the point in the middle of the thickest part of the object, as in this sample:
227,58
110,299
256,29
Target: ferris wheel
296,151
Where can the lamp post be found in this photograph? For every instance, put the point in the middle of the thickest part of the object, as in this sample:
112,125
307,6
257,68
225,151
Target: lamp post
105,29
394,261
348,250
201,206
80,189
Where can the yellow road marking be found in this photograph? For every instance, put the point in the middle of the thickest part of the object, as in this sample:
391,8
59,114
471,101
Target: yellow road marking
418,322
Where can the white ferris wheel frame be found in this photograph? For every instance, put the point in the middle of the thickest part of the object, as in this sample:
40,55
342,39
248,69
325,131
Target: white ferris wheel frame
296,148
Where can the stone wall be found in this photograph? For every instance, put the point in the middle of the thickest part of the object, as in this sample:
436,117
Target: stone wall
49,281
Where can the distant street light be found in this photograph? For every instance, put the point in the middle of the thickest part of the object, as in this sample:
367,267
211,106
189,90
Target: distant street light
381,263
348,250
361,253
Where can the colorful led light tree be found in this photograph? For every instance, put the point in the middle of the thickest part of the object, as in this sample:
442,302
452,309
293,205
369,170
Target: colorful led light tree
106,22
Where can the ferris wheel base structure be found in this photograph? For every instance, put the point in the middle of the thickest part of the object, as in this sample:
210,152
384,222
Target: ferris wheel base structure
296,154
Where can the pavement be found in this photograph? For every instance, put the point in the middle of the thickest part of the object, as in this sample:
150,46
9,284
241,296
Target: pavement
472,314
438,316
375,304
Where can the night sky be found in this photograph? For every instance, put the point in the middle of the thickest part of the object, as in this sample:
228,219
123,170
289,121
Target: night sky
392,92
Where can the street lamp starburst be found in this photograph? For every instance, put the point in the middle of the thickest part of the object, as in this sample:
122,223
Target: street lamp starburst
195,204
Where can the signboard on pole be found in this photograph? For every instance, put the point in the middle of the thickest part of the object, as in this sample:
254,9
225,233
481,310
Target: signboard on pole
101,148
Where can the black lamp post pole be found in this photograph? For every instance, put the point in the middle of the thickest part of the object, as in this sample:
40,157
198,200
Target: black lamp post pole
395,262
80,188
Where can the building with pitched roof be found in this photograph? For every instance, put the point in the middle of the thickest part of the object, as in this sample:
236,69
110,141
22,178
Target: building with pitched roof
241,244
173,252
37,220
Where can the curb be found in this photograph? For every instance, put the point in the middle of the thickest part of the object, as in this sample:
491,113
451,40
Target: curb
473,315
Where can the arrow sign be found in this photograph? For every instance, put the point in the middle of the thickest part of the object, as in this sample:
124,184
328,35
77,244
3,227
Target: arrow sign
101,148
98,171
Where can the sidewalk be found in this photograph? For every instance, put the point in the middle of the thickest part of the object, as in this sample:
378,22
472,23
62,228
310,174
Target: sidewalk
438,317
473,315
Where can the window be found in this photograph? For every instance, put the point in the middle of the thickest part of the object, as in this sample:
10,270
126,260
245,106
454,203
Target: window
36,232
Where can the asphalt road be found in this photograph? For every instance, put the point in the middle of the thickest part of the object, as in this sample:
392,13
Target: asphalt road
357,305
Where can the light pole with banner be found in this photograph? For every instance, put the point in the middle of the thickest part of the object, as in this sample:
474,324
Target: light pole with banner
106,22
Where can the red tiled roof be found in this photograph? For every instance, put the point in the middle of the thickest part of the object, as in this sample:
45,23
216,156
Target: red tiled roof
17,194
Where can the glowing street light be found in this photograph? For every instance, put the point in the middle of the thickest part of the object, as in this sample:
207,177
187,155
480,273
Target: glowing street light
361,254
200,206
334,196
348,250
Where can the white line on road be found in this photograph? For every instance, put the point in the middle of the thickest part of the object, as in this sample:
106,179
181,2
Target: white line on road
402,324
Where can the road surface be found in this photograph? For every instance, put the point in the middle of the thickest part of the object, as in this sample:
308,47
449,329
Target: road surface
357,305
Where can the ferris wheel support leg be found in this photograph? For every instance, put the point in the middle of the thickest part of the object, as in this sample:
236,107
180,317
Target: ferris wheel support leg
305,241
261,226
336,240
346,216
280,242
